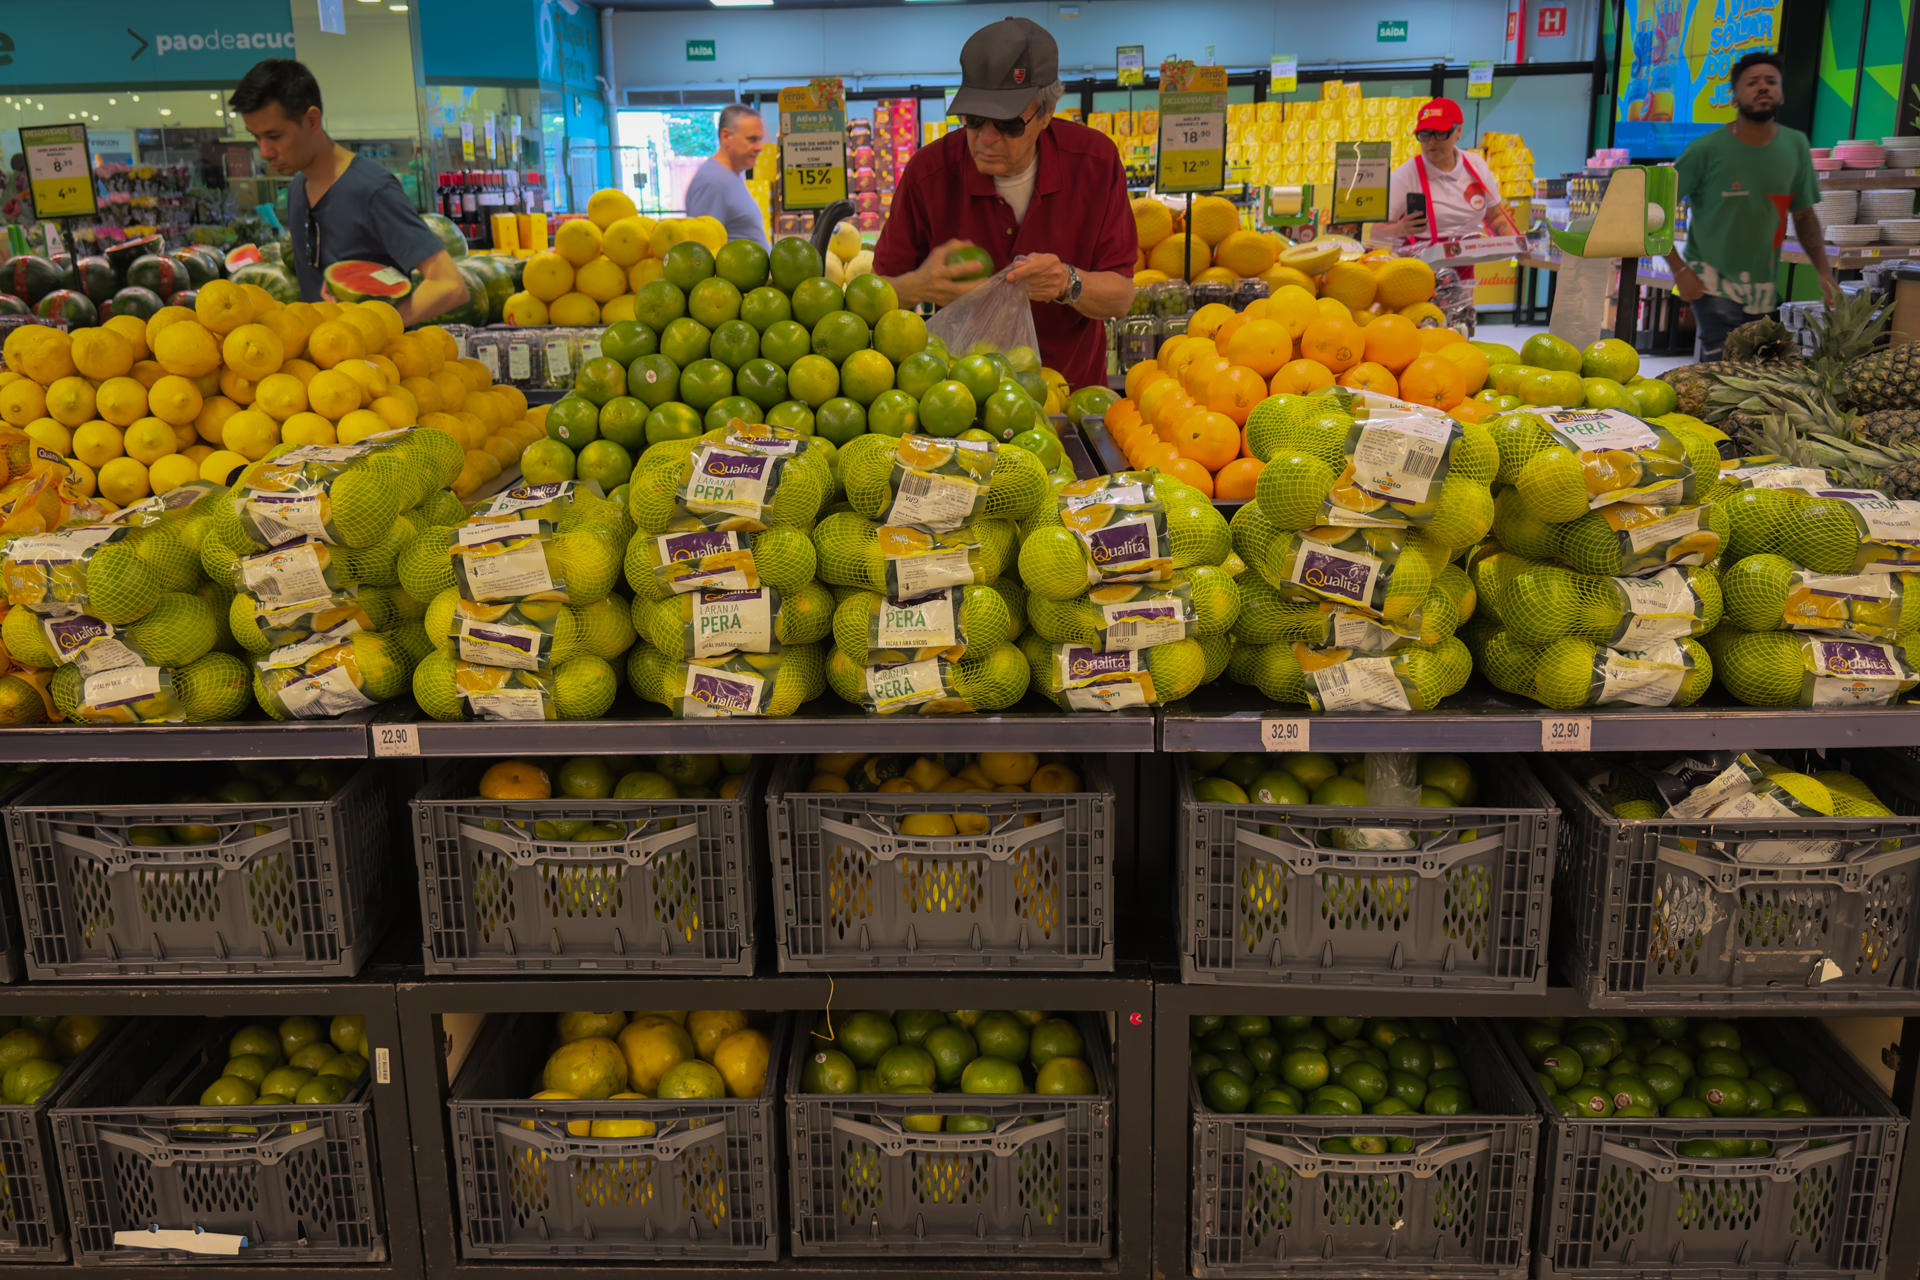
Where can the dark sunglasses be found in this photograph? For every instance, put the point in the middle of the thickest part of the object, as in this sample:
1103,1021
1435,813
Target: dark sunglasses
313,240
1007,128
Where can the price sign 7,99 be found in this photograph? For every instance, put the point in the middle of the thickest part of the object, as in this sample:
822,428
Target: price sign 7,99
59,170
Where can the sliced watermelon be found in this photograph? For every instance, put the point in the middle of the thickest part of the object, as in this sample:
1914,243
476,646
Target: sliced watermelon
244,256
127,252
355,281
70,305
162,275
276,280
138,303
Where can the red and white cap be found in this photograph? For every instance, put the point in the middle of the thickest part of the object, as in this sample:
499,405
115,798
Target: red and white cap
1438,116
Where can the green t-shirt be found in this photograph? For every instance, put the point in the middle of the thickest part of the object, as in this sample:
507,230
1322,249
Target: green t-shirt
1740,196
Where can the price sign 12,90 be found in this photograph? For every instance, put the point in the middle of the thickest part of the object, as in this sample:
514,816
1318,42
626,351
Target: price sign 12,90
1193,141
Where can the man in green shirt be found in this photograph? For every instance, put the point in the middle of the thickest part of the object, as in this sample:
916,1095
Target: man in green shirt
1742,182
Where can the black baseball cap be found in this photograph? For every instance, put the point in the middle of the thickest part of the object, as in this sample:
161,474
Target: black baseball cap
1002,67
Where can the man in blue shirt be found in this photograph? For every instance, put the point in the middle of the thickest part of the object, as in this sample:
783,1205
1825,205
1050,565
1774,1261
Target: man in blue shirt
718,191
341,207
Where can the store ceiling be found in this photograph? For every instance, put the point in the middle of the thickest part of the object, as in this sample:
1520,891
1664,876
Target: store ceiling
661,5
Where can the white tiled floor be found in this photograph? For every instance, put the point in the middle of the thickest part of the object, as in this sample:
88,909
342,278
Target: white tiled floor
1501,331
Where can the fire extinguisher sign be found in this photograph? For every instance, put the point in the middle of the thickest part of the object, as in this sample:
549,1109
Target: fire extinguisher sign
1552,21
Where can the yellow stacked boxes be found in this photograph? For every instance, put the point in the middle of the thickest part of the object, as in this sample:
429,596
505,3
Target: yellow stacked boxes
1511,161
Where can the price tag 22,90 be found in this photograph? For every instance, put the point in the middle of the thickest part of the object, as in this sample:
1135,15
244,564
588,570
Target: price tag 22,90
1566,733
395,740
1286,735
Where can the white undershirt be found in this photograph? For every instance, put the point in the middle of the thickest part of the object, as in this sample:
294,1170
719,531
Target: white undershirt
1017,191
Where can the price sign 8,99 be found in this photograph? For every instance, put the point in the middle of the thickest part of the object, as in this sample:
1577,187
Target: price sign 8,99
59,170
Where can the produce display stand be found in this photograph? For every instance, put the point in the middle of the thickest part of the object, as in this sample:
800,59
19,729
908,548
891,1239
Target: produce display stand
408,1013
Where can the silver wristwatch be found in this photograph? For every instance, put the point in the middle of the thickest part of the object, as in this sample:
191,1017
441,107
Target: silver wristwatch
1070,294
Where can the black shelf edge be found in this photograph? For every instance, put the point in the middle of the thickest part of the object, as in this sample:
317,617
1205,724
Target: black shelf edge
344,738
823,725
1220,718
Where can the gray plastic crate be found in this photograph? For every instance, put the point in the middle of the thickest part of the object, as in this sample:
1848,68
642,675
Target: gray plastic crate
138,1152
1643,920
1266,900
1619,1201
702,1186
1034,892
13,965
678,895
293,887
1267,1201
1038,1184
33,1220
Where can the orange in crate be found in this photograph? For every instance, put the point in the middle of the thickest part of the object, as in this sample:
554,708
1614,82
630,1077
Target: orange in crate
1190,472
1392,341
1334,342
1368,376
1208,438
1234,392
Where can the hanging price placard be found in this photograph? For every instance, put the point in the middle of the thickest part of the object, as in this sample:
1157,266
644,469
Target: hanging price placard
1285,74
1193,128
1480,79
813,145
1130,65
1361,172
60,170
466,141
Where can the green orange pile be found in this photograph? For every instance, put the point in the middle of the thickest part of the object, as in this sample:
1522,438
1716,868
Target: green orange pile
1328,1066
920,1051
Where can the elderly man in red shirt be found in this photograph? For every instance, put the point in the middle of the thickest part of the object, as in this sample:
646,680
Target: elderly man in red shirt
1047,195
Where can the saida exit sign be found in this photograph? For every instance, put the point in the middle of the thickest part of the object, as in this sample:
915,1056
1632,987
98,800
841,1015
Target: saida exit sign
700,50
1391,32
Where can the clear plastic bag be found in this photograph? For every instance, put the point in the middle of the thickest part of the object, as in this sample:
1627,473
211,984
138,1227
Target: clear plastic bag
996,316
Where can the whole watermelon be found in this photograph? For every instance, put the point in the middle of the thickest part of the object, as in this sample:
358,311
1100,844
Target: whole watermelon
277,281
215,260
449,234
200,268
70,305
29,277
163,276
64,265
499,281
128,252
10,305
185,298
475,310
138,303
97,278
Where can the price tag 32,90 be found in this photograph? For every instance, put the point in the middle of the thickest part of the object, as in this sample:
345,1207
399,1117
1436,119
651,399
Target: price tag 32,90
1566,733
395,740
1286,735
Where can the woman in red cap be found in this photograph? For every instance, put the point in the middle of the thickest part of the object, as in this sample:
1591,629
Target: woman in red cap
1457,192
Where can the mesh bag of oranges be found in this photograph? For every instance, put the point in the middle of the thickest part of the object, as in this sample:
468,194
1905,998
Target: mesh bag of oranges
1621,540
739,482
1409,677
1370,461
939,485
1121,528
1077,678
736,684
1790,669
1539,602
1568,674
1566,462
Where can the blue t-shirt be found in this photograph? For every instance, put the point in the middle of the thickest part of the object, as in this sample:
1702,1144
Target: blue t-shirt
364,216
718,192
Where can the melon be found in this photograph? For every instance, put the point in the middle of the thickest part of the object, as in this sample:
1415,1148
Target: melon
162,275
128,252
212,257
244,256
185,298
138,303
277,281
29,277
200,268
278,252
70,305
498,277
449,234
474,312
96,278
355,280
14,306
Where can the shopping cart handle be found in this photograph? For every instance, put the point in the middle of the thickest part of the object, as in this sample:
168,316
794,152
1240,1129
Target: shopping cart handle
826,220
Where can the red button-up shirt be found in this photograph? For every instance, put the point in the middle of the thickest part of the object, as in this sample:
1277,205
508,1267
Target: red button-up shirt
1078,212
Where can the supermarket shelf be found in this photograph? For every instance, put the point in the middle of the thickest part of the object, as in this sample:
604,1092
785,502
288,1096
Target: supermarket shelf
1218,718
344,738
801,1269
1865,179
823,725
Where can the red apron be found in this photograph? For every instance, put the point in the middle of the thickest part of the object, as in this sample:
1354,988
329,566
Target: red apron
1426,190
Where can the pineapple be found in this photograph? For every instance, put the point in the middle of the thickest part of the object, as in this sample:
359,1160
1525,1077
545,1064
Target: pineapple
1888,379
1764,340
1890,427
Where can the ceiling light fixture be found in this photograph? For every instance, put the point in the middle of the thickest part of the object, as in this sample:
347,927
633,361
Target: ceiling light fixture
70,115
136,97
741,4
397,8
166,111
113,102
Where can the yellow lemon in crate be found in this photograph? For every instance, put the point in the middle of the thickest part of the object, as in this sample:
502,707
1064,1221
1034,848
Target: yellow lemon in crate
741,1059
709,1027
593,1067
651,1049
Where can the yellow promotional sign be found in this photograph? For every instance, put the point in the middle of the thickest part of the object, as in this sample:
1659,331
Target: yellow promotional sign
59,170
1480,79
813,144
1193,128
1361,175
